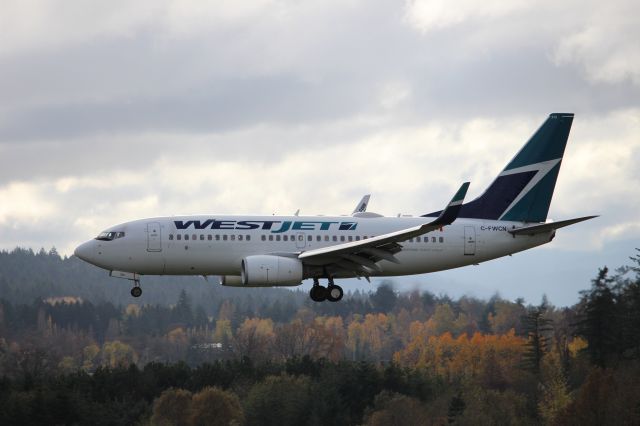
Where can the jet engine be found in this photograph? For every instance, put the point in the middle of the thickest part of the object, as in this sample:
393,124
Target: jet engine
268,270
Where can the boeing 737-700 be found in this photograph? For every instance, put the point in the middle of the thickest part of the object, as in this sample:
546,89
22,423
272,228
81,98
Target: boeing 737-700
255,251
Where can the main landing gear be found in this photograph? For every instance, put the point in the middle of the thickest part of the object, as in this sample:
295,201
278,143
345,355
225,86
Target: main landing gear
136,291
332,292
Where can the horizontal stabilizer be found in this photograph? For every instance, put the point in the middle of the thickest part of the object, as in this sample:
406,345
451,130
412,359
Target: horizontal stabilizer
547,227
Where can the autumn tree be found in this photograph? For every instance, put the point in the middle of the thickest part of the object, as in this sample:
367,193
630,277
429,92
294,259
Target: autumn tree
278,401
171,408
492,407
393,409
254,339
118,354
506,315
554,390
215,407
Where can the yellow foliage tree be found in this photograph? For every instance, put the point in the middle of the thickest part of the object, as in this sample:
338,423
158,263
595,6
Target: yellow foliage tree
462,357
118,354
171,408
89,354
254,338
215,407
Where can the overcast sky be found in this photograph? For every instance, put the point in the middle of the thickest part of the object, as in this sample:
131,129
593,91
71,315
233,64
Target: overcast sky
113,111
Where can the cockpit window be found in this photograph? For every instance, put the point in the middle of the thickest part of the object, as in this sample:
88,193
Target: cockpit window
108,236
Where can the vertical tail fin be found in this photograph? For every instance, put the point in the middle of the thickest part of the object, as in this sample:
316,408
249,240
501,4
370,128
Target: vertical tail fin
522,191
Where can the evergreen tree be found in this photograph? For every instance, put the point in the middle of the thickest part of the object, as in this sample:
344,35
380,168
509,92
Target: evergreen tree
536,326
456,408
384,299
599,320
182,311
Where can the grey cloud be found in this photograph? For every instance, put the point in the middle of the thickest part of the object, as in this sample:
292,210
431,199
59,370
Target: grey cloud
222,106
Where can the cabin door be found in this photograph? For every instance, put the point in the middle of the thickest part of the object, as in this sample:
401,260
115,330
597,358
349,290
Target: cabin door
154,241
469,240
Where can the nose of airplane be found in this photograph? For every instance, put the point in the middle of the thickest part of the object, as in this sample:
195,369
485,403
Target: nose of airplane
85,251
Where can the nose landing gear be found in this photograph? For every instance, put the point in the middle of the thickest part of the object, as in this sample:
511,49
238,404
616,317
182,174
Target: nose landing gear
332,293
136,291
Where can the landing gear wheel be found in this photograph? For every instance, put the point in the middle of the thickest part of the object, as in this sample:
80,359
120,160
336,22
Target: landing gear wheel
136,291
334,293
318,293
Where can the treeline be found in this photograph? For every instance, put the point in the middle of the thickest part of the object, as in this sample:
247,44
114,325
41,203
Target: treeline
378,358
26,275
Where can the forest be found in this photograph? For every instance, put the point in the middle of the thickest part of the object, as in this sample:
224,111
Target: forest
76,349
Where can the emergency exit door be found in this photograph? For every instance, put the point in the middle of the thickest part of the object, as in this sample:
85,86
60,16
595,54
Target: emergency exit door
154,241
469,240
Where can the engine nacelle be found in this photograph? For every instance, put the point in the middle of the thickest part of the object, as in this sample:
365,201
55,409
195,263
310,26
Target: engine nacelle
267,270
231,280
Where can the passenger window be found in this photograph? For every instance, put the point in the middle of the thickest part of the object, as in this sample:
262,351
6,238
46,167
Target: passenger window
264,238
350,237
179,237
309,238
270,237
364,238
277,237
335,238
239,237
186,236
442,239
201,237
194,237
209,237
341,237
233,237
285,238
357,237
217,237
318,238
171,236
224,237
248,237
433,239
326,238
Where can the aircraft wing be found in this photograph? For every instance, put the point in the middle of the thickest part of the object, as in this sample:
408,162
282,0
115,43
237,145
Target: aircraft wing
360,257
546,227
362,205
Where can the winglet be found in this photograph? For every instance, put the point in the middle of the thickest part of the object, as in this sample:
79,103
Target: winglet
450,213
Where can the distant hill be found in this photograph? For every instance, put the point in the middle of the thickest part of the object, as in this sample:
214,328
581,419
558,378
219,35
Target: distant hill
26,276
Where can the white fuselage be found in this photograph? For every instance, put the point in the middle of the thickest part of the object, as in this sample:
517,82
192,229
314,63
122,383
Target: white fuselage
216,245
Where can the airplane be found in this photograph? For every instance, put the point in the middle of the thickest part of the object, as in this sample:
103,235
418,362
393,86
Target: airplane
264,251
